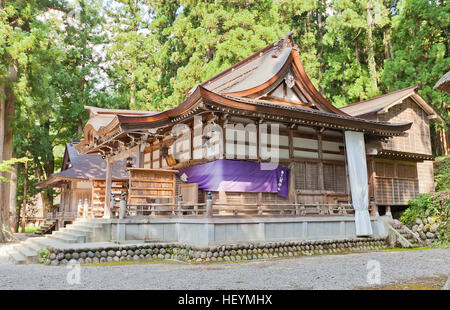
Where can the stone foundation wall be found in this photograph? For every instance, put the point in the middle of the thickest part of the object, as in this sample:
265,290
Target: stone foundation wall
218,253
209,232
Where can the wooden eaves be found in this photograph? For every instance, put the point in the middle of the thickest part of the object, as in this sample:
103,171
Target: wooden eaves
203,100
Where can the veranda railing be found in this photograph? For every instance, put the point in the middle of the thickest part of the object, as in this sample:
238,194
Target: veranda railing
218,209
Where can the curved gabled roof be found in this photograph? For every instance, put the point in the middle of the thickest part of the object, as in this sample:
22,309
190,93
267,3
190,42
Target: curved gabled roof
98,121
247,87
202,99
102,111
100,118
251,73
259,73
250,105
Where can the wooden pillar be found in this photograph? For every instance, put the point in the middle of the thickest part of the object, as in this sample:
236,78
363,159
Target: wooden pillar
374,208
192,142
319,147
388,211
371,167
209,205
140,155
151,157
258,142
259,200
159,153
347,185
292,194
372,188
107,208
224,138
291,144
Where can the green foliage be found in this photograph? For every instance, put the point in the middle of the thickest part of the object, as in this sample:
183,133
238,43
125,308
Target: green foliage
420,46
161,49
29,229
28,55
147,55
130,51
57,69
435,205
79,72
442,173
418,207
43,253
8,166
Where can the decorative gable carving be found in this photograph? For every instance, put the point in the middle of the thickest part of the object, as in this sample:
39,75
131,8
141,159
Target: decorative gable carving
286,93
290,80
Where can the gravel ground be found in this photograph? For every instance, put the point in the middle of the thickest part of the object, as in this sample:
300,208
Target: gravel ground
319,272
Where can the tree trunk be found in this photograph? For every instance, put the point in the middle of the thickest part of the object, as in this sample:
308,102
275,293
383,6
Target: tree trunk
434,141
357,51
47,196
13,199
2,144
6,138
445,137
370,49
132,95
80,128
24,200
443,143
387,44
3,221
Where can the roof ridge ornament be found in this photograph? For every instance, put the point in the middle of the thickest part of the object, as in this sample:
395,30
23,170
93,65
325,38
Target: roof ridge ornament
277,47
285,41
289,79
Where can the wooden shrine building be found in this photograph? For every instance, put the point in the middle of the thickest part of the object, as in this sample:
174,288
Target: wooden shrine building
81,184
81,181
208,159
402,167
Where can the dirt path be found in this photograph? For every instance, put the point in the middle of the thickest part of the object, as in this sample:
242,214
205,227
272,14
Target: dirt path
319,272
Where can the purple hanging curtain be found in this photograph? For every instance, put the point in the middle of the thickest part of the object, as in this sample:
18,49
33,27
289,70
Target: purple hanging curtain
237,176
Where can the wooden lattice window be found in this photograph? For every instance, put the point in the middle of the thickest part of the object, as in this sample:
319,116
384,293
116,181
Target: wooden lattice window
389,170
151,186
334,178
384,169
189,192
341,178
379,169
299,172
306,175
406,171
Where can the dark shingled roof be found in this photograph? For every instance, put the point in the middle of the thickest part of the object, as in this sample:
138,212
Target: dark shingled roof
85,167
444,83
378,103
384,102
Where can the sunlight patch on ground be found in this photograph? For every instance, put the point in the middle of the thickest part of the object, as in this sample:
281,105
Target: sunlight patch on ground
422,283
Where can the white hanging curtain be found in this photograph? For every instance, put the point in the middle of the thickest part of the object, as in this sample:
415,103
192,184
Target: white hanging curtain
357,171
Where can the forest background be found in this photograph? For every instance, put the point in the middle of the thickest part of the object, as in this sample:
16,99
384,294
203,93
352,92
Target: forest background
57,56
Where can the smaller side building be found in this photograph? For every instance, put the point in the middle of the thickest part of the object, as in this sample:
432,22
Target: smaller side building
80,183
82,177
402,167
